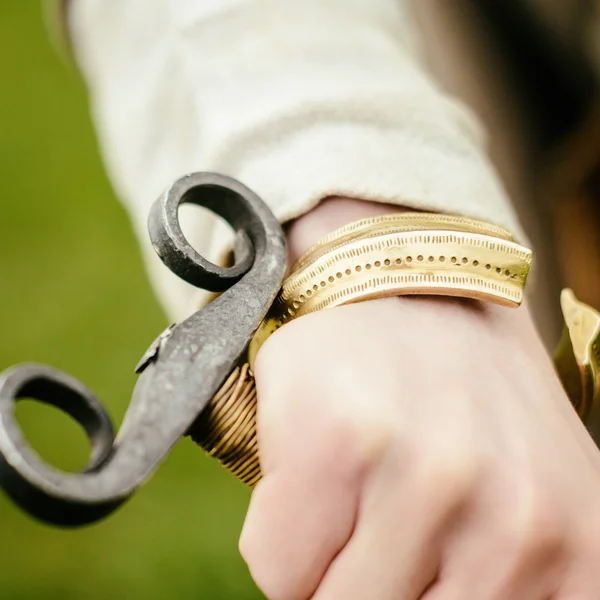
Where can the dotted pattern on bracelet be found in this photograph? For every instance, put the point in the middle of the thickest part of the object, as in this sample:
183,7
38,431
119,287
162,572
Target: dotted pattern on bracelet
409,259
316,268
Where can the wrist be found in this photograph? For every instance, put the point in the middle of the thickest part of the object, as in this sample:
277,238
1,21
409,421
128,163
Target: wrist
369,256
329,215
336,211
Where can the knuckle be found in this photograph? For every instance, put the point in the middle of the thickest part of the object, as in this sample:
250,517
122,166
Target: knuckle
537,527
371,440
352,446
246,546
449,473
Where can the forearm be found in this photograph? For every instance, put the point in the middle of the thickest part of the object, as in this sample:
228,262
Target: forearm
301,101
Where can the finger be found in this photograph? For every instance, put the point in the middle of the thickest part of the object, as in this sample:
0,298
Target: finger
396,548
536,584
294,527
303,511
581,580
583,583
513,546
378,563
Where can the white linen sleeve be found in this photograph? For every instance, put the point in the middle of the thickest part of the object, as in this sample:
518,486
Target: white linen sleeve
298,99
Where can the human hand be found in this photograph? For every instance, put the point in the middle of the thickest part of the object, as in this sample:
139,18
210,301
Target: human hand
420,448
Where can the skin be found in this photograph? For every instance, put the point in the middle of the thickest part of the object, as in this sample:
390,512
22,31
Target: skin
418,448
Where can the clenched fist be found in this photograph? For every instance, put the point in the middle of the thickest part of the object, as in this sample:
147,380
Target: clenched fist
419,449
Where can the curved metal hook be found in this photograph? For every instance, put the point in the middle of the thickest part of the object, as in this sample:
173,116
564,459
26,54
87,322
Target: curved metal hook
174,250
180,373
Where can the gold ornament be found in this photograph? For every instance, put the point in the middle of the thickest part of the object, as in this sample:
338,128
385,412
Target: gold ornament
408,253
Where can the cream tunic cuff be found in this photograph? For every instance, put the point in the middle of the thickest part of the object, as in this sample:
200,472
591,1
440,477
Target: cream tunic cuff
298,99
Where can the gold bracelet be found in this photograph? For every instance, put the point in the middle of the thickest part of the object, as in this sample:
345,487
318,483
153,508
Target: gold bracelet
401,254
227,429
409,253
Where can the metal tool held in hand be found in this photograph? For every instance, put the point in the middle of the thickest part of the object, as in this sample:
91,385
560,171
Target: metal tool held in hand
179,374
194,379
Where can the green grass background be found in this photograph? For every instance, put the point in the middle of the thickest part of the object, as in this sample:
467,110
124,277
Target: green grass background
73,293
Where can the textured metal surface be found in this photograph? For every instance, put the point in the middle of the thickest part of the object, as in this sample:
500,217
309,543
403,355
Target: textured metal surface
226,430
180,373
577,360
401,254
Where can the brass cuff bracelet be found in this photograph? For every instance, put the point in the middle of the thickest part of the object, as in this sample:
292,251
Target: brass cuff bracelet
400,254
391,255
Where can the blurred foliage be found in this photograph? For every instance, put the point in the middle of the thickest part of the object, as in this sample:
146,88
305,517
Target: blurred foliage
74,294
